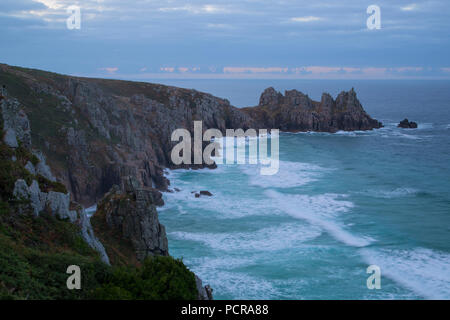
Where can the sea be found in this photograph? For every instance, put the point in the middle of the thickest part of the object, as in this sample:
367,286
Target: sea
339,203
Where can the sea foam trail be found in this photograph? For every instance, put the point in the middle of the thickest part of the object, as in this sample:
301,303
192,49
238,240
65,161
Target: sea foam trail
289,175
426,272
390,194
282,237
319,211
224,276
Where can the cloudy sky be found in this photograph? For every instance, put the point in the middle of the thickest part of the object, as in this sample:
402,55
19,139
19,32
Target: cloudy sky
150,39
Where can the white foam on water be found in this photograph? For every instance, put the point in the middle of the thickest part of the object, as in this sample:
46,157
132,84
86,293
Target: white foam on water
390,194
425,126
281,237
221,205
290,174
223,277
424,271
321,211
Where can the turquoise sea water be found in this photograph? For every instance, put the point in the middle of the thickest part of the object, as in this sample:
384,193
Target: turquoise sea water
339,203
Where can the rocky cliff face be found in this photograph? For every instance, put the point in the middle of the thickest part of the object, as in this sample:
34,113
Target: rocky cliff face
127,223
40,193
95,131
129,212
32,200
295,111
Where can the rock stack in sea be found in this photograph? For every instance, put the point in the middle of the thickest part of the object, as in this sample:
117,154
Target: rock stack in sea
406,124
295,111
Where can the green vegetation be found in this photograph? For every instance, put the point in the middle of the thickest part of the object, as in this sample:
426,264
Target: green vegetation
46,185
12,167
159,278
11,170
35,252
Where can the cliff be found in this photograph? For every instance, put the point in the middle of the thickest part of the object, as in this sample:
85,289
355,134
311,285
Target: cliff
43,232
95,131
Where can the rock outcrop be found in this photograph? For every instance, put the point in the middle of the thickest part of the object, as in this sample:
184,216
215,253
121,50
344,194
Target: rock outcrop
129,212
406,124
204,292
15,124
295,111
58,204
126,218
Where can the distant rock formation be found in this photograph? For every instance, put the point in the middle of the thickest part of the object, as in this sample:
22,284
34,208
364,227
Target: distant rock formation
406,124
295,111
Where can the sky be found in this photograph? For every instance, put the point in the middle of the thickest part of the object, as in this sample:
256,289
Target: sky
231,39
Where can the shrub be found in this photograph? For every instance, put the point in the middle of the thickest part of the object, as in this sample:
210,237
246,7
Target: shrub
159,278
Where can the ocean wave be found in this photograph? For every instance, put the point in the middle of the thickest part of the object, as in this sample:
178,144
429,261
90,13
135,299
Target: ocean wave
424,271
289,175
389,194
222,206
320,211
284,236
223,275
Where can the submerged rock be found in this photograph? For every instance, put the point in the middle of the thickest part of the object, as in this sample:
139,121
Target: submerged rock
406,124
206,193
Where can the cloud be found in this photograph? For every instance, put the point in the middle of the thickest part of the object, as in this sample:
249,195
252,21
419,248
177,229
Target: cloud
110,70
207,8
305,19
409,7
51,4
219,26
254,70
167,69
